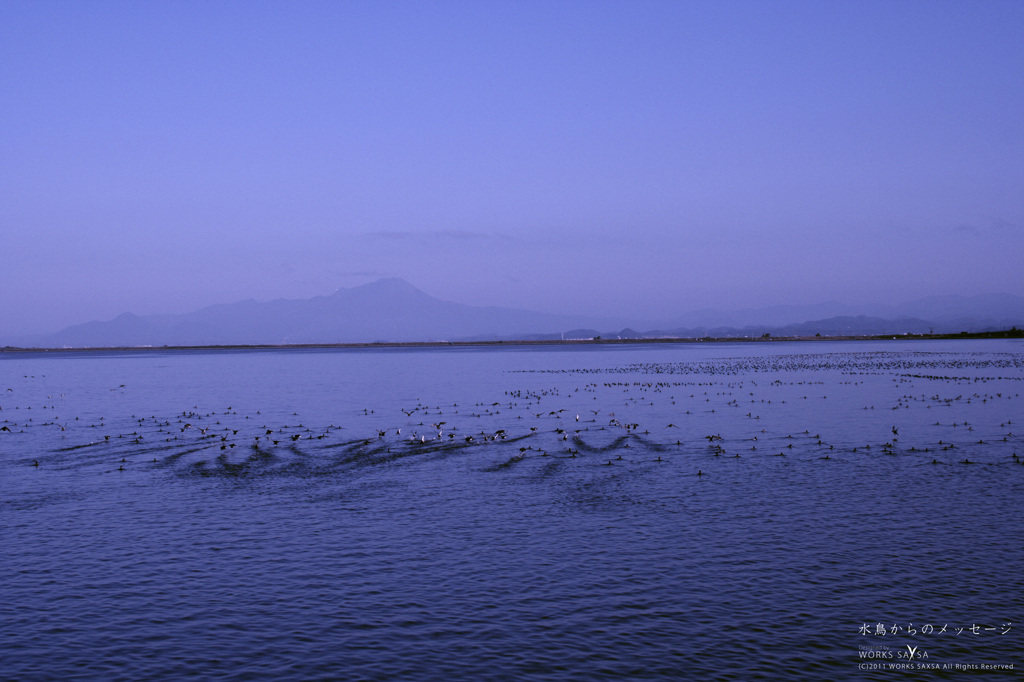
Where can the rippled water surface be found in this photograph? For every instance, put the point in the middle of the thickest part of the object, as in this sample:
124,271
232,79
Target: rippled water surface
690,511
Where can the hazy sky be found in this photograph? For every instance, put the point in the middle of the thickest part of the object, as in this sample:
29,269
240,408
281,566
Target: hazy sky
632,159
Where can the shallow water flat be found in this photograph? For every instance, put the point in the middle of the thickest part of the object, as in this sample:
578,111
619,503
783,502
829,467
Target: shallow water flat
705,511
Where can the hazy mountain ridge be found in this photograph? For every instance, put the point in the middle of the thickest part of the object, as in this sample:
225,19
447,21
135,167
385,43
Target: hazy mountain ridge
983,309
385,310
391,310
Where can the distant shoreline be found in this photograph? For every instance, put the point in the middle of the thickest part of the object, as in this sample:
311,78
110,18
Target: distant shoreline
1004,334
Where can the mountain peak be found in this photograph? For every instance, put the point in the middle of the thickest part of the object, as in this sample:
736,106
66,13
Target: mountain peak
384,286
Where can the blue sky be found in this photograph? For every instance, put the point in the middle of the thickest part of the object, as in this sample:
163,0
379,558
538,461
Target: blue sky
630,159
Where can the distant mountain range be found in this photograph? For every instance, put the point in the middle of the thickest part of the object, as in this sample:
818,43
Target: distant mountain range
962,312
385,310
392,310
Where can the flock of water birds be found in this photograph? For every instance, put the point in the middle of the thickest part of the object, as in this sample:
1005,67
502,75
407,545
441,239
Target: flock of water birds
943,408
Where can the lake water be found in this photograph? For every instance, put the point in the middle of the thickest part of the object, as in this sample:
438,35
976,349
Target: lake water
687,511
